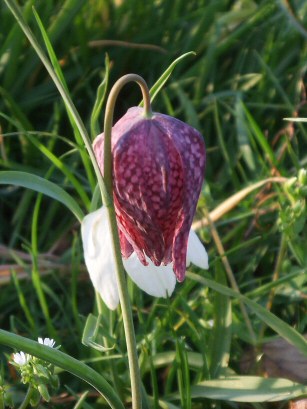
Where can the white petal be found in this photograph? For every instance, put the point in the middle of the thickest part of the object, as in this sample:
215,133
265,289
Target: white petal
158,281
20,358
47,341
99,260
196,252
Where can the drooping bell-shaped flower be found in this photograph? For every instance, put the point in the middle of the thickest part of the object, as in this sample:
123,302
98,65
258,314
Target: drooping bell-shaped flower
158,170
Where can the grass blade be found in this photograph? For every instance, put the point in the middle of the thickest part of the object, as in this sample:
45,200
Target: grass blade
60,76
100,98
41,185
221,334
155,89
249,389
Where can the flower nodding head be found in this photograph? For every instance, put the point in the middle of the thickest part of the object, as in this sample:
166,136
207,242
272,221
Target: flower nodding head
158,170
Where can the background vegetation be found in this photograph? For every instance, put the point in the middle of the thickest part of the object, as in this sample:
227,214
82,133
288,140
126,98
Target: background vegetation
247,75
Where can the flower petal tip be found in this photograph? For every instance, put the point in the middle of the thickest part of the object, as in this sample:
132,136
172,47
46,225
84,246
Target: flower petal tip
196,252
20,358
98,255
157,281
47,341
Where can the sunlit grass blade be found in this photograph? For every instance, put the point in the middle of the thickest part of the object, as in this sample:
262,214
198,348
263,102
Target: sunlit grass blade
155,89
60,76
249,389
96,124
44,186
51,53
296,119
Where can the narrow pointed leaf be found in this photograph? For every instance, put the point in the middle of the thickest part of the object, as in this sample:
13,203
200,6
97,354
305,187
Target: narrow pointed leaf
249,389
90,333
34,182
155,89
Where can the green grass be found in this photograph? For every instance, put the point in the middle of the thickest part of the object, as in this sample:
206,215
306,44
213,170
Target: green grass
247,75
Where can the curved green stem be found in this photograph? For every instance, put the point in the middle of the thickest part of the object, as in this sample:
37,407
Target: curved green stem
120,273
108,120
27,398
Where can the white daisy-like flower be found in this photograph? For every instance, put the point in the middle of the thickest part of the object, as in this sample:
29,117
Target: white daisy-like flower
158,281
20,358
49,342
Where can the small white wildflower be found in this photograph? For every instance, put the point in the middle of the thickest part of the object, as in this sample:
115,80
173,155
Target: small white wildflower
20,358
49,342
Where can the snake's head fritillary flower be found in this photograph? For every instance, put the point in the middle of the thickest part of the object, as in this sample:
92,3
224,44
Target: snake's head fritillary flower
158,170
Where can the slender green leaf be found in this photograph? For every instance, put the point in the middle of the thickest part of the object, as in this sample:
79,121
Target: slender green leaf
44,186
259,135
249,389
78,130
166,358
155,89
100,98
90,333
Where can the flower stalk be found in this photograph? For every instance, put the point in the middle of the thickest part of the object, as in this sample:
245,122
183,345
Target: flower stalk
119,268
108,120
26,402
